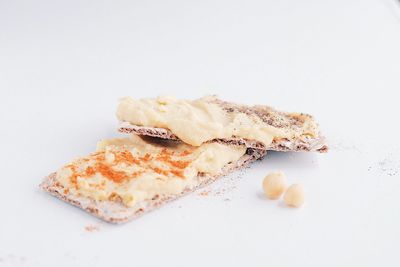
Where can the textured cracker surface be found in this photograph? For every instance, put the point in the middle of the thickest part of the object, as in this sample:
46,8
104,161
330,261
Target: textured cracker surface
303,143
115,212
270,116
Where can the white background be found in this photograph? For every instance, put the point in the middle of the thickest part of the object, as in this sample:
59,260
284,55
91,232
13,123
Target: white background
64,65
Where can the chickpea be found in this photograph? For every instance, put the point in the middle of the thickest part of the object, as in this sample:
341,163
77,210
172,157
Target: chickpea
274,184
294,196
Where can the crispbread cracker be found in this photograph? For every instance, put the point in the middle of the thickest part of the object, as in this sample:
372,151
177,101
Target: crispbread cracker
115,212
271,117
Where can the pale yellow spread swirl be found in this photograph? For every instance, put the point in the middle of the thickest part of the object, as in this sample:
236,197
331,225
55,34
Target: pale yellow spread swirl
131,170
197,121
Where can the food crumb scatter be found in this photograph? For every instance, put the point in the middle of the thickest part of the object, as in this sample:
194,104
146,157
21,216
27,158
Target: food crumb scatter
92,228
389,166
205,193
225,188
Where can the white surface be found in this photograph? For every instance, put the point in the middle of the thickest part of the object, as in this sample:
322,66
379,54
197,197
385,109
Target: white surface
64,64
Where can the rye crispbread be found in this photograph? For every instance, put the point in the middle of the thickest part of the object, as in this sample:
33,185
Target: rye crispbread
115,212
270,116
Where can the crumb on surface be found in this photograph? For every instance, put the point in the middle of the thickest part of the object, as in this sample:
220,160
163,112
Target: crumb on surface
91,228
224,188
388,167
205,193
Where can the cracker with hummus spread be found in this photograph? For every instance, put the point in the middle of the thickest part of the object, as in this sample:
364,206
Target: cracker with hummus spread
210,119
184,146
127,177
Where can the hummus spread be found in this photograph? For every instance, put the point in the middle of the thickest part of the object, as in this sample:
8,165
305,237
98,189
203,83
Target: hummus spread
198,121
130,170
